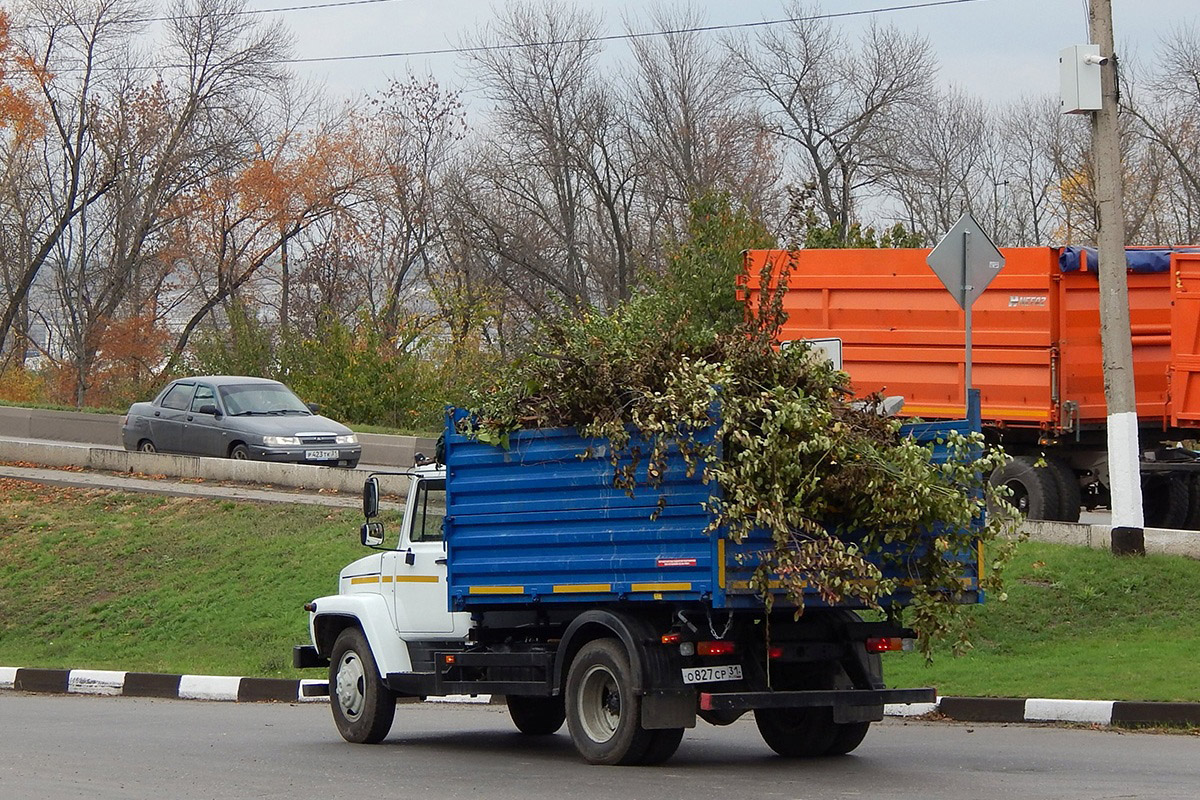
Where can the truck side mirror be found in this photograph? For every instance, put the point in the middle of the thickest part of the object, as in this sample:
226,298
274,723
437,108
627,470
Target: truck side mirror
370,498
371,534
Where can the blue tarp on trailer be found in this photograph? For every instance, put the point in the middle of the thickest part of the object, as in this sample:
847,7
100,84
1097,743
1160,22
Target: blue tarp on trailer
1072,259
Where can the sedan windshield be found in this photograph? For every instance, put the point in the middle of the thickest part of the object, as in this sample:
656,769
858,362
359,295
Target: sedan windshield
261,398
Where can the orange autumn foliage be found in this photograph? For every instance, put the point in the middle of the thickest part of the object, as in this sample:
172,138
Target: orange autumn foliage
18,112
127,351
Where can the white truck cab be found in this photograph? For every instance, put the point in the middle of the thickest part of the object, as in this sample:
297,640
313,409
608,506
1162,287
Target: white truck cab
391,611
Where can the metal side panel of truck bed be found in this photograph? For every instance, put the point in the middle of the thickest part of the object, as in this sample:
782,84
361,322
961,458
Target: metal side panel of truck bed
541,522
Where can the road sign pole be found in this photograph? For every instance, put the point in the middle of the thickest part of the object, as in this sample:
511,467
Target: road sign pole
967,303
965,261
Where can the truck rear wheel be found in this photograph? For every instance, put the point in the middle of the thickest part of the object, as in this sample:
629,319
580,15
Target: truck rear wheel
363,708
796,732
604,714
536,716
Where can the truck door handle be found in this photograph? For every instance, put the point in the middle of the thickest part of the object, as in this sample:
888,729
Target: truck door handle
440,561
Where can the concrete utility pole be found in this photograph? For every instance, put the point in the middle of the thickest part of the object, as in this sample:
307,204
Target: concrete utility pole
1128,537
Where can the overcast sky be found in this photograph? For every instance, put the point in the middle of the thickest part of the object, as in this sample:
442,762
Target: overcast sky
999,49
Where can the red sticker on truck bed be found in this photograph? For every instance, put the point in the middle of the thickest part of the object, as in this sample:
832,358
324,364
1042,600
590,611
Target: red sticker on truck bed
677,562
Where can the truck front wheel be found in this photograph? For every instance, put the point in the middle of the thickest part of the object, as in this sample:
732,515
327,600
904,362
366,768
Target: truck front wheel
363,708
536,716
604,714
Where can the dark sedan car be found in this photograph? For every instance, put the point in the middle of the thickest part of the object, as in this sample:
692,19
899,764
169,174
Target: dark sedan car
238,417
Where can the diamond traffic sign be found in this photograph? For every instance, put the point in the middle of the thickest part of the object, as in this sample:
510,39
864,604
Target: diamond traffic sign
965,261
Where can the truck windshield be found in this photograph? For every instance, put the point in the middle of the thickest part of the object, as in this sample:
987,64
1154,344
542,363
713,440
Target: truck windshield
430,511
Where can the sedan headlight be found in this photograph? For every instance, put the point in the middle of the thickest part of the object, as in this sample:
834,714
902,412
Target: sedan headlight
280,441
349,438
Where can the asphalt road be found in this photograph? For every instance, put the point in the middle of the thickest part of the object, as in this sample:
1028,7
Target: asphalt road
54,747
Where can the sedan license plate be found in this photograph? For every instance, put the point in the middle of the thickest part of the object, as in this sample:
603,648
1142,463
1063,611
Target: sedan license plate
729,672
321,455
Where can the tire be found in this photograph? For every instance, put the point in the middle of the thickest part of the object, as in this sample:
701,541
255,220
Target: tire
797,732
146,446
1070,496
1034,489
663,744
1165,500
603,713
847,736
239,452
536,716
811,732
363,708
1192,522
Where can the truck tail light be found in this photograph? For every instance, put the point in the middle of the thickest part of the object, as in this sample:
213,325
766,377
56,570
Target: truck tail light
714,648
672,638
886,644
775,652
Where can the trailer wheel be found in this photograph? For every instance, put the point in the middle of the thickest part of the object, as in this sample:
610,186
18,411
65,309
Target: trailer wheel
363,708
1165,500
603,713
1070,495
1192,523
536,716
1034,489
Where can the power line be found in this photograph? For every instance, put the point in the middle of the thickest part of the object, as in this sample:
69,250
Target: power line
240,12
627,36
549,43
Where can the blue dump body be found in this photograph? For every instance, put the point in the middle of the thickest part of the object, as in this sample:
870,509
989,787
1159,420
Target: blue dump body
536,523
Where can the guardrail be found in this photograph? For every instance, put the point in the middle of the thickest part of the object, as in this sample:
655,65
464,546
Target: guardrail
293,476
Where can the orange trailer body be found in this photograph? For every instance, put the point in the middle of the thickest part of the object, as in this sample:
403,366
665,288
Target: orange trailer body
1036,351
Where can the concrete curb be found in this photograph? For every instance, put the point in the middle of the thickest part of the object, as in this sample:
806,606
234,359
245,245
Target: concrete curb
255,690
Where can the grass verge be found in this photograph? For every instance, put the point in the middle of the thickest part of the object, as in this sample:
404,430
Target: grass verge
1078,624
106,580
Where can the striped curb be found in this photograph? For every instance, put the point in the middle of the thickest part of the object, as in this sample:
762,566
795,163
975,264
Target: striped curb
148,684
1095,712
257,690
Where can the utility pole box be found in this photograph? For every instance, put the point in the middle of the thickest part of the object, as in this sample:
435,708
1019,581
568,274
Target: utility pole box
1079,78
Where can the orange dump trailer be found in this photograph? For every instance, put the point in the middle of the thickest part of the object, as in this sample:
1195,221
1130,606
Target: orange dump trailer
1036,358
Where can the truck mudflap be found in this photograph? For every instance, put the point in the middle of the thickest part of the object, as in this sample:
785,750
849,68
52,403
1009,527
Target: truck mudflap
835,698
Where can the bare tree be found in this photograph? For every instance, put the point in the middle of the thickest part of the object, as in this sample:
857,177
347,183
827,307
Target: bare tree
1167,110
69,45
696,132
546,172
837,107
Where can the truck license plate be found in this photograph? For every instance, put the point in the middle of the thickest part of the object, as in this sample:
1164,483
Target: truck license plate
321,455
729,672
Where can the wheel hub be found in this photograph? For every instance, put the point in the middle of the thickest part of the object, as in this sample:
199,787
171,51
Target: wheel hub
351,685
599,703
